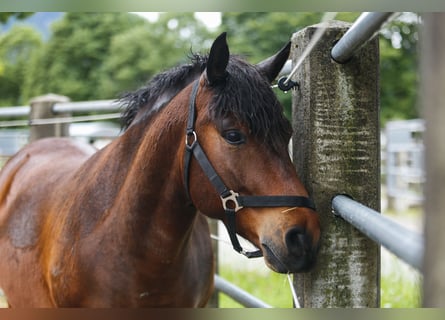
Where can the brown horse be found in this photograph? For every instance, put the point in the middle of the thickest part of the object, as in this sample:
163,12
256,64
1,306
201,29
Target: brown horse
126,226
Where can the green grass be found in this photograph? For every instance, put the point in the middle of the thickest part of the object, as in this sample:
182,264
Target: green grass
272,288
401,287
397,292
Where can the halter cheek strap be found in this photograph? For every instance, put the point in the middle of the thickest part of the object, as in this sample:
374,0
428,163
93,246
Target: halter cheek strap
231,201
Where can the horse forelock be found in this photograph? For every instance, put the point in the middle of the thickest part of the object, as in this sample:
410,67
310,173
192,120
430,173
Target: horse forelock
248,96
245,94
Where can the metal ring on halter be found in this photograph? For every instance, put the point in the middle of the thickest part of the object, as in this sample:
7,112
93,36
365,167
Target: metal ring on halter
230,202
195,138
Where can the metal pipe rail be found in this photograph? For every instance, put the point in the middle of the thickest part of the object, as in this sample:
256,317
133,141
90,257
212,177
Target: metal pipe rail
87,106
360,32
65,107
15,112
238,294
404,243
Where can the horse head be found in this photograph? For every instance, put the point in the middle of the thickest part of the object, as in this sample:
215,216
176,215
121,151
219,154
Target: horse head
251,185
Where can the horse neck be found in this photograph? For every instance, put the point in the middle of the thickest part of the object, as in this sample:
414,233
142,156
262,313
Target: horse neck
152,194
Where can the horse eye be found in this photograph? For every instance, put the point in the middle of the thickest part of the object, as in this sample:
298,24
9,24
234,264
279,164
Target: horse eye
234,137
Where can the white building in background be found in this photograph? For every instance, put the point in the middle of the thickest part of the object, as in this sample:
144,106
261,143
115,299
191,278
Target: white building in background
403,163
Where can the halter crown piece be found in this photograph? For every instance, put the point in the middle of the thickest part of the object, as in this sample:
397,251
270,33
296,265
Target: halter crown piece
232,201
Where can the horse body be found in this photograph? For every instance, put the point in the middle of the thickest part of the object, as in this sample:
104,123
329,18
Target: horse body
90,236
122,226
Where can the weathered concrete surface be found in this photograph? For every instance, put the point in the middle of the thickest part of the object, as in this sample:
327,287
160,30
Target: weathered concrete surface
336,149
433,104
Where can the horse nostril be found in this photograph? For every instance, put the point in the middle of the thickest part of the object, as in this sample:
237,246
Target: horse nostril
296,241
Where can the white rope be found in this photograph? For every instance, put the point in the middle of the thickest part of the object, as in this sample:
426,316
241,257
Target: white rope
294,293
215,237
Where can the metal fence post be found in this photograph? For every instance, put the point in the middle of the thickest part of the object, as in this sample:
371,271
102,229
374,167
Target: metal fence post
336,149
42,108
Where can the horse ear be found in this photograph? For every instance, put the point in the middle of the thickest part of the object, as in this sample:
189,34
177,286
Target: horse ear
218,60
272,66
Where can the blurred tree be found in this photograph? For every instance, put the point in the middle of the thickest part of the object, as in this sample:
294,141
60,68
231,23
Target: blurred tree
16,49
188,32
70,62
99,55
150,49
4,16
398,69
257,34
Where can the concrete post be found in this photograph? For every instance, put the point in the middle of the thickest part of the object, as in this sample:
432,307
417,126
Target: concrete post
336,149
433,107
41,108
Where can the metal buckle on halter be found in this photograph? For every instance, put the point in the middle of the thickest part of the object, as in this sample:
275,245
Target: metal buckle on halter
230,202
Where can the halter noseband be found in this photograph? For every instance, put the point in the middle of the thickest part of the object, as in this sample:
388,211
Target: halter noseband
232,202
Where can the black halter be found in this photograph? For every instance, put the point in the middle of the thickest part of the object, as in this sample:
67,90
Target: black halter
232,202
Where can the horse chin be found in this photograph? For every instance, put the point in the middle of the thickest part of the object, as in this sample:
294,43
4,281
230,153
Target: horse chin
286,264
272,261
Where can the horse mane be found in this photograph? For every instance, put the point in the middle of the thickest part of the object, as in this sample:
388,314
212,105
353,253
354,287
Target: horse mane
160,90
245,94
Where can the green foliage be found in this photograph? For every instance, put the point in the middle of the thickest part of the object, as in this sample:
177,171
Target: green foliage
4,16
257,34
71,60
16,49
150,49
99,55
398,71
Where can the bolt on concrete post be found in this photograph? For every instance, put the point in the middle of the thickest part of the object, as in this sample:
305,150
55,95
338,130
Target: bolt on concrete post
336,149
41,108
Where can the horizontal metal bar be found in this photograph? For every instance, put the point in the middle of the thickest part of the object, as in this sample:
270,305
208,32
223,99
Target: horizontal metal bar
404,243
41,122
87,106
360,32
65,107
238,294
13,112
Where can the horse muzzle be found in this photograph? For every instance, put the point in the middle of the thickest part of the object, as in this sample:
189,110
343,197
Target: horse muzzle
296,252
